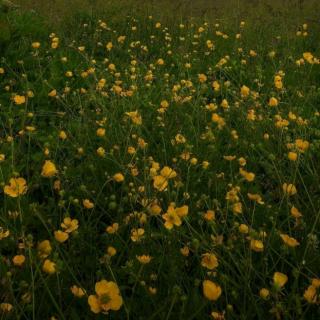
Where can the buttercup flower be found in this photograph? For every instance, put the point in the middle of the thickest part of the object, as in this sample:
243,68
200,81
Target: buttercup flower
107,297
49,169
16,187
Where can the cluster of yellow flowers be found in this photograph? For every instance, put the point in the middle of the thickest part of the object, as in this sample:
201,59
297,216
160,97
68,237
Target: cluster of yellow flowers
169,162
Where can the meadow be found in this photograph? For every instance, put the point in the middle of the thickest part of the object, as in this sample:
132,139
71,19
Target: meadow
159,160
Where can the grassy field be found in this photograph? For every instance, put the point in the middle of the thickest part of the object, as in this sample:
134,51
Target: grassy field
159,160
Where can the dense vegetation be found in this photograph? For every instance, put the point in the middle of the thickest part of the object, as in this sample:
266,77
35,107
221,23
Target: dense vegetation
159,168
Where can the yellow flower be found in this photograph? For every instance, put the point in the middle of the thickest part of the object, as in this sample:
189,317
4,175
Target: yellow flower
280,279
18,260
118,177
113,228
273,102
49,169
173,216
302,145
49,267
310,294
62,135
264,293
209,261
255,197
19,99
136,234
243,228
256,245
107,297
144,259
6,307
237,208
289,189
16,187
35,45
180,138
44,249
111,251
135,117
87,204
202,78
101,152
52,93
211,290
61,236
101,132
160,183
4,233
209,215
69,225
245,91
249,176
295,212
292,156
289,241
77,292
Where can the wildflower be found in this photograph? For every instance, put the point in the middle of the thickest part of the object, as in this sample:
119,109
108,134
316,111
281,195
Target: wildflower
173,216
136,234
264,293
180,138
209,215
289,241
52,93
4,233
289,189
302,145
243,228
256,245
49,169
113,228
19,260
107,297
209,261
77,292
61,236
135,117
49,267
101,132
310,294
118,177
69,225
87,204
292,156
255,197
202,78
245,91
249,176
237,208
144,259
111,251
16,187
44,249
295,212
160,182
185,251
62,135
273,102
19,99
6,307
101,152
211,290
280,279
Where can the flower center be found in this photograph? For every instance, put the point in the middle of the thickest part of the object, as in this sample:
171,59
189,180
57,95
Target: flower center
104,299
